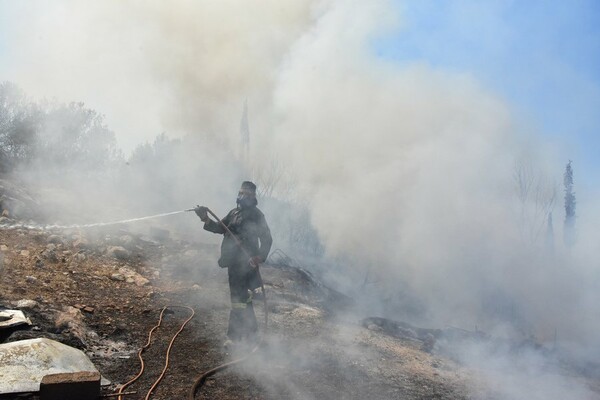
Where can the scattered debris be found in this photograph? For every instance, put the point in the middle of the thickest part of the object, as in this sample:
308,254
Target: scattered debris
12,318
404,330
54,239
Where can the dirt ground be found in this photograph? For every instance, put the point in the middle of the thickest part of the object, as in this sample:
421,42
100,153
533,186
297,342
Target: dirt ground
103,291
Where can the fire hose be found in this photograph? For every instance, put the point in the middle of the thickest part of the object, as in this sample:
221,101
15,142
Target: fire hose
142,365
204,376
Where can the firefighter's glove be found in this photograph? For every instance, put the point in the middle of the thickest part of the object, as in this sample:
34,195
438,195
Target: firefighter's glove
255,261
202,212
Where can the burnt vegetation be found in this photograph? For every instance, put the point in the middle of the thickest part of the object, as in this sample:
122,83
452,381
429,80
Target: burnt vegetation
48,133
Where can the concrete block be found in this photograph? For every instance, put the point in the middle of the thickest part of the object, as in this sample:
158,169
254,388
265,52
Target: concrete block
84,385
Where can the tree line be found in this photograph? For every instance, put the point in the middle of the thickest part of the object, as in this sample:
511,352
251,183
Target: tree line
49,133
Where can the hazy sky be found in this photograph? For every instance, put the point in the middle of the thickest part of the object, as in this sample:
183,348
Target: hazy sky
542,56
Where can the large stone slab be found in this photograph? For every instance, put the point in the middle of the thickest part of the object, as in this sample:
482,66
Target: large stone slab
24,363
72,386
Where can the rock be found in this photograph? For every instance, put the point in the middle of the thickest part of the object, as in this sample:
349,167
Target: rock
81,243
140,280
72,319
117,277
25,253
55,239
88,309
50,255
26,303
71,385
38,262
196,286
3,247
428,343
50,246
30,279
126,241
133,277
79,257
119,252
16,201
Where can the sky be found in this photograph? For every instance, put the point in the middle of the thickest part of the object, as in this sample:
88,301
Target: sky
543,57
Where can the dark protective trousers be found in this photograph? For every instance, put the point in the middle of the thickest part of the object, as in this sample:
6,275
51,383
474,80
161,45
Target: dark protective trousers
242,320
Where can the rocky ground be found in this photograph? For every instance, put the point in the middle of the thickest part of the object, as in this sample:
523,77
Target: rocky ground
102,291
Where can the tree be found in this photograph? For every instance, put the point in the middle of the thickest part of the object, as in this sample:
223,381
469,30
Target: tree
72,136
536,195
550,234
52,136
20,120
570,204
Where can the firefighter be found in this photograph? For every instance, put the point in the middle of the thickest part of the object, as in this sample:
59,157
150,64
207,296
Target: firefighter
248,224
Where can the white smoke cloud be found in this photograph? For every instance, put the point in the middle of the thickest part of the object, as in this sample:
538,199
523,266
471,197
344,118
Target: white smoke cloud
185,67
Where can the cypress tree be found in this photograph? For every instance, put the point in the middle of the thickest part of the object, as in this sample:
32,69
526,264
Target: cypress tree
570,204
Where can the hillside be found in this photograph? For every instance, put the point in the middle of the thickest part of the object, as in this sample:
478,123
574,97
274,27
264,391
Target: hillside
102,291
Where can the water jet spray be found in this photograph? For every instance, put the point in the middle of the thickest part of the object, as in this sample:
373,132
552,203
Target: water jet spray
96,224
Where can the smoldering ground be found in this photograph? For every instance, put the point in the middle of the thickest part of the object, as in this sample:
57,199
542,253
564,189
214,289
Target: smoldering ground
407,170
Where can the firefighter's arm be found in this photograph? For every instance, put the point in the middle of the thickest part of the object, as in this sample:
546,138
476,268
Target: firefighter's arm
215,227
265,239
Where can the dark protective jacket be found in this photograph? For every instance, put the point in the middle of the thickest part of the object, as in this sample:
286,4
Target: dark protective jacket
250,227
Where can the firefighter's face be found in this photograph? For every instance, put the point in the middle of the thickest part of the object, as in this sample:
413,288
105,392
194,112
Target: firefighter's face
245,198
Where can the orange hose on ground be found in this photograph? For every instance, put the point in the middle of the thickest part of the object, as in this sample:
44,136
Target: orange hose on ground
142,365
